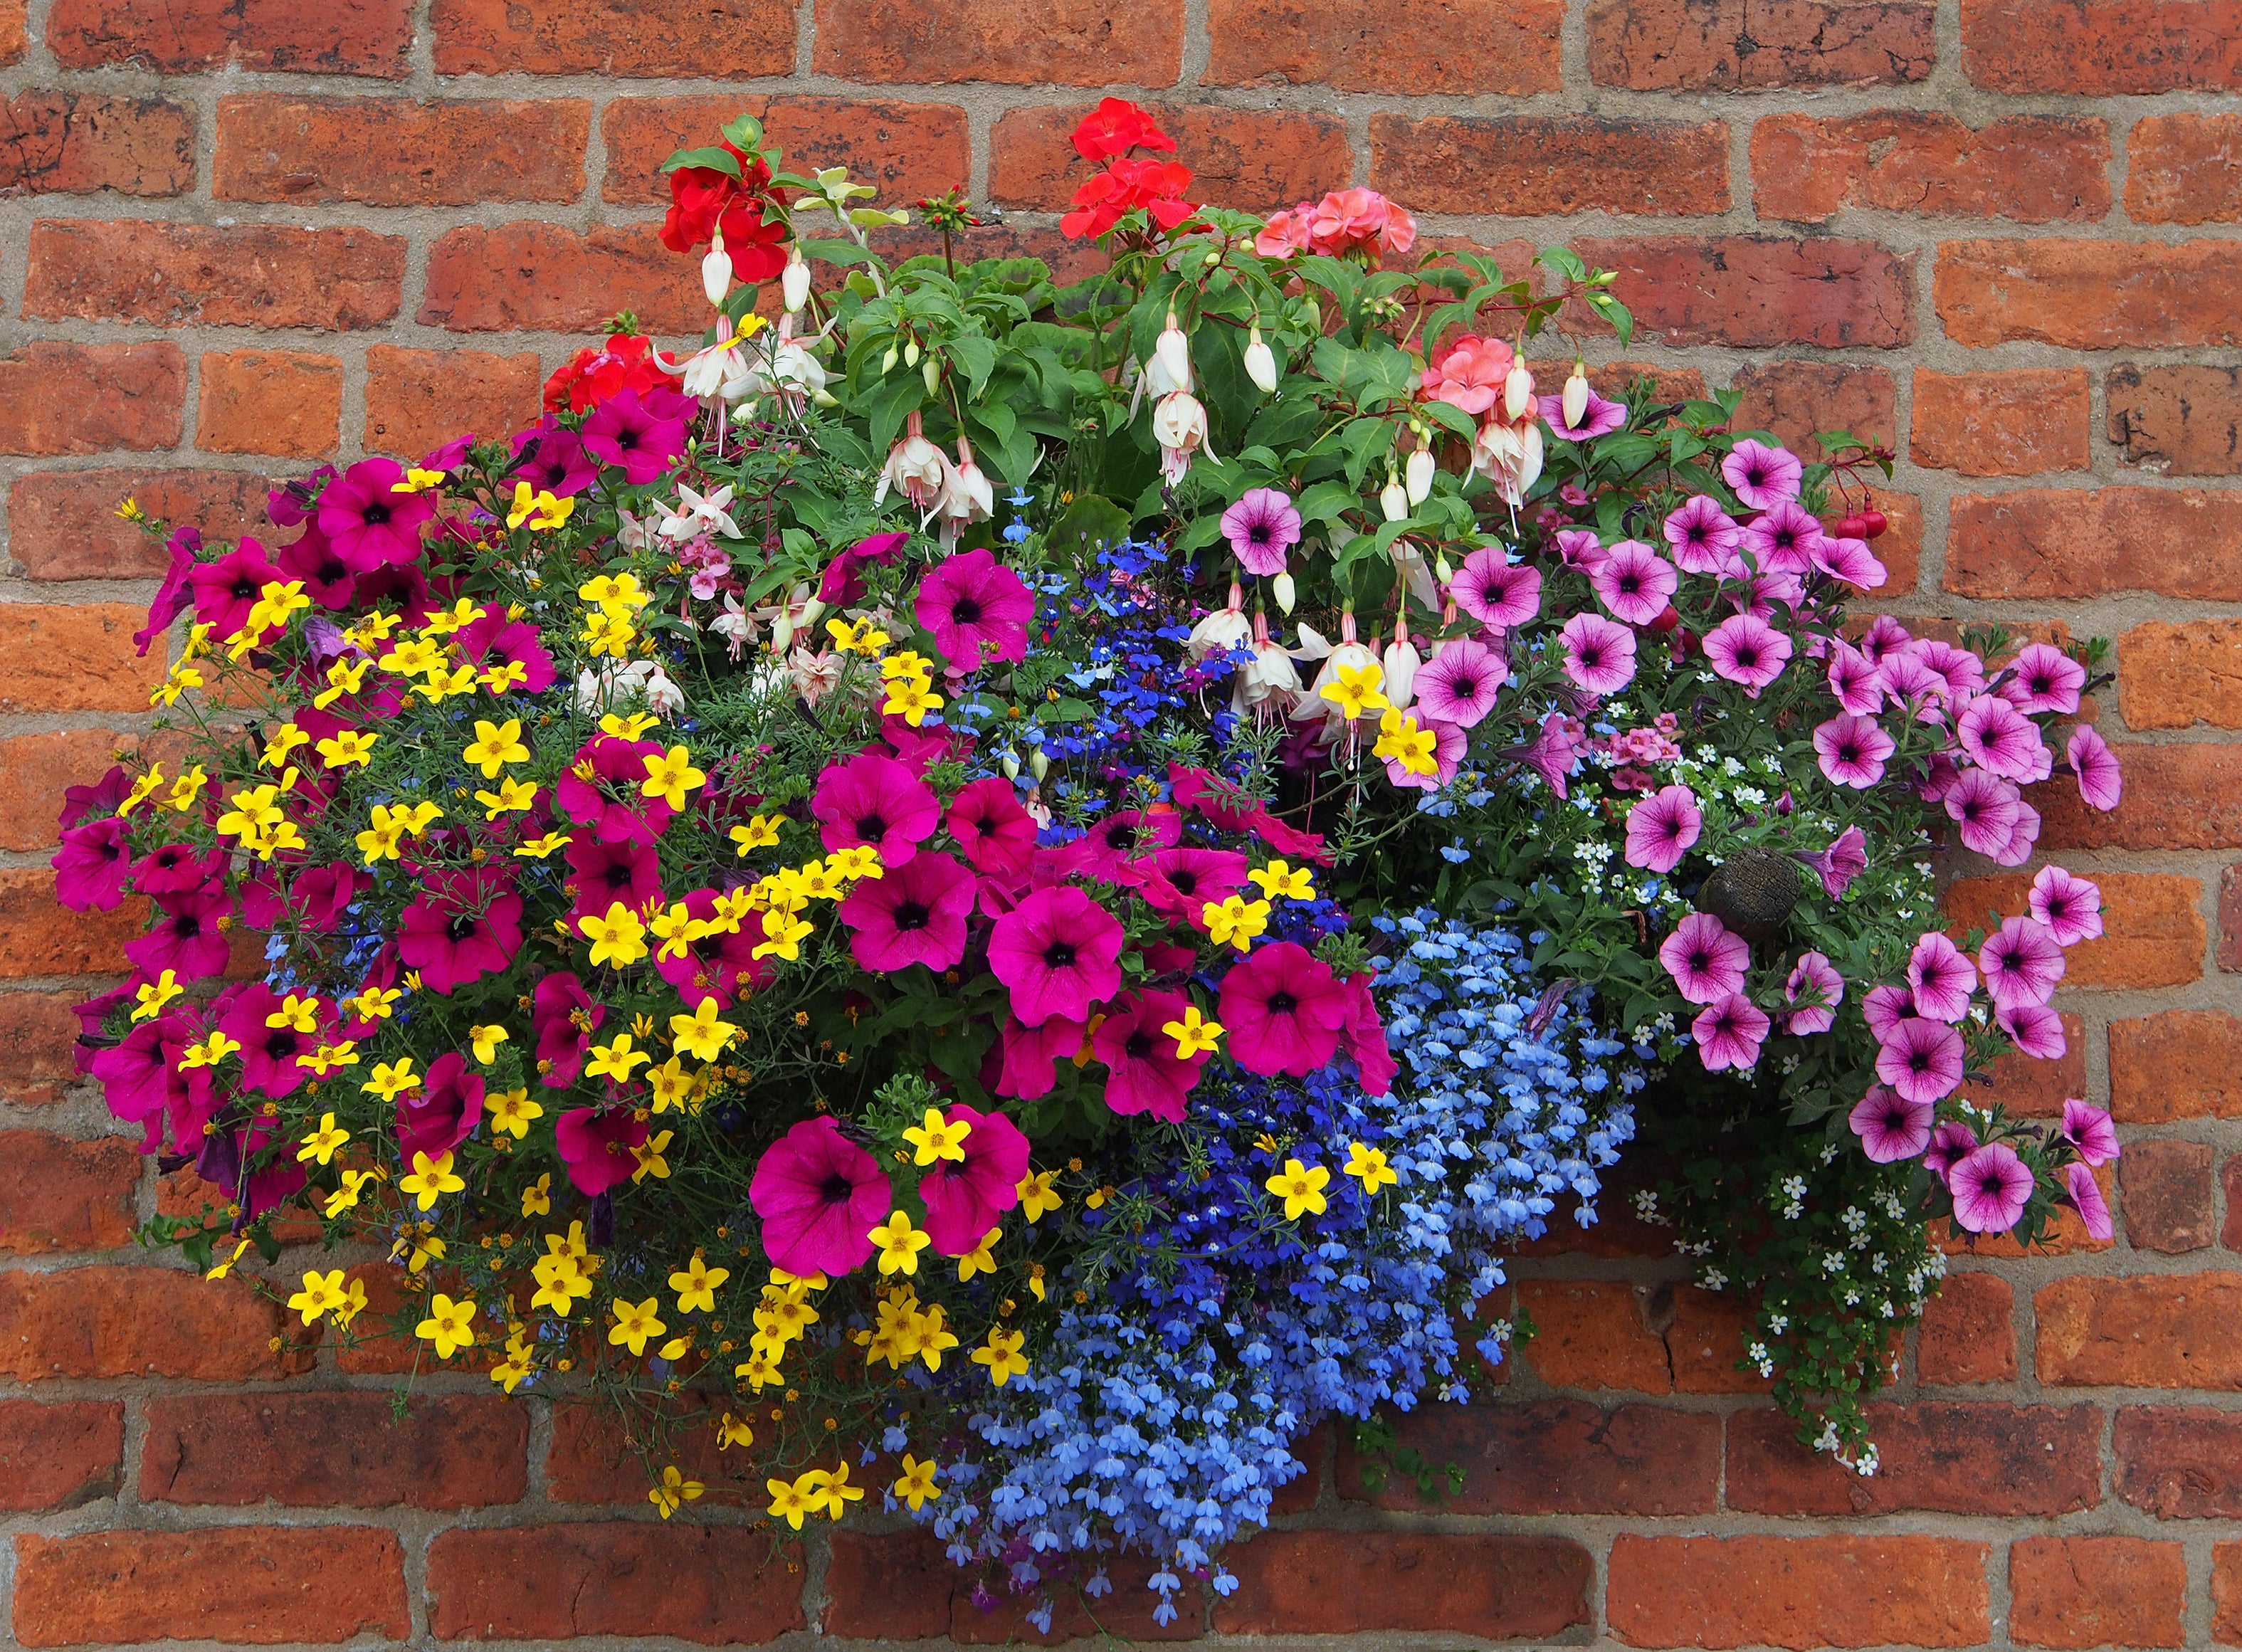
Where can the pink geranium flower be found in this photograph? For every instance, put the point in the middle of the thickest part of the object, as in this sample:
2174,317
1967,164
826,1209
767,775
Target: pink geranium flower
2044,678
1920,1059
1634,583
1745,648
1941,978
978,609
368,522
2086,1195
1261,527
1493,592
1599,654
1660,829
442,1112
2099,781
1784,540
1852,748
1815,978
1986,806
1728,1033
462,926
820,1196
1704,537
1707,962
1890,1127
1990,1187
2089,1133
1763,477
874,800
1143,1073
964,1198
2071,907
914,914
2022,963
1459,684
1057,951
1284,1010
2036,1030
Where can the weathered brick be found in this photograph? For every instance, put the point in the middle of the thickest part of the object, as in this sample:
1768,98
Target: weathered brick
40,769
2030,1087
594,1459
60,1456
2186,796
91,398
1762,291
655,38
1557,1457
711,1584
2089,295
2040,543
307,1450
2174,676
1798,1591
38,1037
1592,1334
1793,400
255,1585
1509,47
1530,166
61,657
2229,956
14,18
67,142
2001,424
416,400
545,276
1690,45
1124,1617
2185,419
905,151
63,524
248,275
58,1194
1489,1587
2032,169
393,152
170,36
1968,1335
39,938
136,1321
2181,1064
1259,159
2077,1592
895,1588
2226,1594
1705,1344
2163,1331
2179,1463
1958,1458
2184,168
2152,927
1017,43
284,402
2086,50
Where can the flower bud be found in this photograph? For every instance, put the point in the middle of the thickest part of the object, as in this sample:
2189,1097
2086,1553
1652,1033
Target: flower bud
1576,396
1283,589
932,368
1260,362
1011,765
1517,390
1038,765
1173,353
1443,570
1421,474
888,361
1393,499
781,633
794,282
910,354
716,274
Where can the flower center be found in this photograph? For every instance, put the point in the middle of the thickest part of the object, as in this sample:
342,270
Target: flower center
374,513
911,914
871,828
836,1189
462,926
1282,1003
966,610
1059,955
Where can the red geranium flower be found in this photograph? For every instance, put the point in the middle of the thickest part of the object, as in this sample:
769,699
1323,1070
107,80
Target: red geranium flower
625,362
703,199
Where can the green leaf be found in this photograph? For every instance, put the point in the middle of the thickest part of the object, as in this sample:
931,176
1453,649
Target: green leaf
1092,521
719,160
1622,322
743,132
1564,261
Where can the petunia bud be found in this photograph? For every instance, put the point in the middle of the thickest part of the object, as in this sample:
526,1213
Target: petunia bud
1517,390
1260,363
1393,499
1576,397
1173,353
1282,588
716,274
1038,765
1420,475
794,282
932,368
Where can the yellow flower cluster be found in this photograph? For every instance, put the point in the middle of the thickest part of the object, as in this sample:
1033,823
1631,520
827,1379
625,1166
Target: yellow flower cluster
611,604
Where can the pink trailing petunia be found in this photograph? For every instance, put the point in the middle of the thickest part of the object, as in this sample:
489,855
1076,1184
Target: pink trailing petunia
462,926
720,964
1028,1056
1784,540
600,875
1840,864
2044,678
1183,881
1744,648
996,833
563,1018
603,790
443,1112
1261,527
2071,907
1851,749
495,639
1705,961
1460,683
1494,592
1853,679
915,914
1704,538
978,609
270,1041
820,1196
367,521
2034,1029
1963,672
1940,980
1884,1007
876,801
91,866
1554,751
1728,1033
2100,782
623,430
1662,827
1851,560
1995,735
226,590
1815,978
1763,477
1986,807
2086,1196
1599,654
2022,963
2089,1130
1922,1059
965,1197
1990,1187
1119,848
1058,951
1449,744
596,1146
1950,1142
1634,583
1890,1127
1598,417
1143,1073
1284,1010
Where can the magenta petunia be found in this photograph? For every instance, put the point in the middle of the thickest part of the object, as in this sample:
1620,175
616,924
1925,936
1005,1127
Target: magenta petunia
443,1112
1744,648
1634,583
1662,827
1705,961
1580,548
327,580
2022,963
965,1197
604,789
2071,907
226,590
173,868
2044,678
1493,592
1120,848
1851,560
2034,1029
368,521
1950,1142
270,1041
600,875
1261,527
720,964
2089,1130
1851,749
1554,752
915,914
1784,539
1460,683
1364,1037
186,938
1185,880
1990,1187
1963,672
1028,1056
595,1145
1599,654
1449,744
1884,637
1599,418
139,1076
876,801
559,464
1904,679
1840,864
1920,1059
820,1196
1816,979
462,926
1143,1073
1890,1127
1728,1033
563,1018
1704,537
996,833
2086,1196
1940,979
1763,477
494,638
2100,782
623,431
978,609
91,866
1284,1010
1058,952
1986,806
1884,1007
1995,735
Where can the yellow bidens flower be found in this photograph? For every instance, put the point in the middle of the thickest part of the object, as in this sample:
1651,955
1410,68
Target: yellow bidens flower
792,1499
152,997
1281,881
1037,1197
696,1285
938,1137
670,775
916,1486
613,592
1368,1165
418,481
614,1059
899,1243
511,1372
392,1079
340,751
733,1431
1002,1355
636,1325
447,1326
981,1259
1236,921
561,1278
700,1035
674,1492
510,1111
495,745
486,1041
429,1179
391,825
512,797
856,636
784,935
1301,1188
1356,689
345,1197
911,698
1402,739
537,507
760,832
617,938
321,1143
537,1197
1194,1035
321,1295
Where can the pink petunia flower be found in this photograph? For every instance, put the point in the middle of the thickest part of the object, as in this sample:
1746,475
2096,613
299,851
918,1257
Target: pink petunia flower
1746,649
603,789
1704,537
1784,540
2022,837
1261,527
1851,560
1599,418
1028,1056
1599,654
2022,963
1143,1073
226,590
1058,952
1493,592
1840,864
1580,548
1906,680
1449,744
1460,683
623,431
1554,751
820,1196
1662,827
1284,1010
1183,880
1884,637
562,1019
496,638
600,874
91,866
996,832
1363,1038
1941,978
978,609
913,914
1986,806
270,1044
1920,1059
443,1112
1852,748
2086,1195
1634,583
1728,1033
2089,1133
2071,907
965,1197
1815,978
2035,1030
876,801
1883,1008
367,521
1890,1127
1853,679
1990,1187
1119,848
462,926
1995,735
1705,961
1763,477
2044,678
720,964
2100,782
1950,1142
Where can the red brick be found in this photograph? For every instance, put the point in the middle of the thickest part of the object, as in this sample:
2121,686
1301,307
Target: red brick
63,524
2030,1088
1796,1592
2182,1064
2165,1331
1016,43
895,1588
1677,45
249,275
56,657
58,1194
2174,676
2030,168
2230,1177
91,398
1968,1335
2152,927
307,1450
2040,543
1900,547
393,152
1793,400
62,142
2001,424
383,1344
343,37
1526,166
38,1035
13,18
40,768
2182,420
39,938
733,39
2166,1193
2094,48
283,402
2179,1463
416,400
1509,47
134,1322
2096,1591
709,1584
256,1585
1302,1492
548,278
2187,796
1122,1617
60,1456
1705,1344
1257,160
594,1459
2041,1460
2184,168
905,151
1762,291
1557,1457
2089,295
1592,1334
1489,1587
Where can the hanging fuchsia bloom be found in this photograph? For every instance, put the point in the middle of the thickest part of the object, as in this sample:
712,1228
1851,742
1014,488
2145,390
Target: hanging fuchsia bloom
1706,961
1995,735
1990,1187
2044,678
596,1145
1599,654
2023,963
2089,1133
1261,527
875,800
1143,1073
1746,649
1815,978
1183,880
1840,864
997,835
1284,1009
2071,907
1941,978
1852,750
1459,684
1853,680
915,914
1920,1059
1728,1033
1028,1056
563,1018
1662,827
1986,807
1762,476
604,790
463,926
1634,583
370,522
1058,951
270,1041
1890,1127
2034,1029
226,590
1704,537
442,1112
91,866
1950,1142
2086,1195
1598,417
966,1198
623,431
1884,1008
978,609
1785,540
602,874
1493,592
2099,781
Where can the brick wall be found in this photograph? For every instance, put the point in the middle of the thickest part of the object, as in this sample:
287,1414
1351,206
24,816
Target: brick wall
240,236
